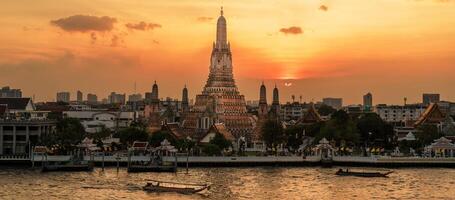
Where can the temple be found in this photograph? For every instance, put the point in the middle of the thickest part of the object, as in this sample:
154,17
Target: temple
220,100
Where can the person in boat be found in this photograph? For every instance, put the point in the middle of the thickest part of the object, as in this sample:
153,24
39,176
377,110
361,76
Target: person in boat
340,170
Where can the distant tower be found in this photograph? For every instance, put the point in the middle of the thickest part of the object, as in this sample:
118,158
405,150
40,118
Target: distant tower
368,102
275,109
79,97
185,105
155,91
276,97
152,110
263,110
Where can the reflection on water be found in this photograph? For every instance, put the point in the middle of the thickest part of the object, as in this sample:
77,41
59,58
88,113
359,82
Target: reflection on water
229,183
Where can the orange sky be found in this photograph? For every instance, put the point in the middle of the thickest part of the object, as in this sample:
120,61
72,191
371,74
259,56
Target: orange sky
392,48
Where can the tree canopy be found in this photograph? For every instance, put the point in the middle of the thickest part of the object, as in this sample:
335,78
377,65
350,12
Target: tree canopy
157,137
427,133
129,135
273,133
373,129
69,133
339,127
220,141
325,110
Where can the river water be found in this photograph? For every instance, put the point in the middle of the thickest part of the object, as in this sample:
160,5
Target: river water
230,183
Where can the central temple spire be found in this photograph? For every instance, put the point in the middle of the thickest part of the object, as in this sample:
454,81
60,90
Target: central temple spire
221,35
221,78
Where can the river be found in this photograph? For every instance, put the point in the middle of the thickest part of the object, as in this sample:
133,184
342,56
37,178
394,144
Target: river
230,183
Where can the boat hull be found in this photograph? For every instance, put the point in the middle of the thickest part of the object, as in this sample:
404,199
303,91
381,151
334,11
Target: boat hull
72,168
363,174
152,169
176,190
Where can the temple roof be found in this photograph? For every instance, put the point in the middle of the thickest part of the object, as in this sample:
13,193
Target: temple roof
174,129
311,116
221,129
431,115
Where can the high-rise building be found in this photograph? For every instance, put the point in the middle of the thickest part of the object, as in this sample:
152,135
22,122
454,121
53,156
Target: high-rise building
368,101
336,103
220,101
430,98
115,98
7,92
134,97
79,96
63,97
92,98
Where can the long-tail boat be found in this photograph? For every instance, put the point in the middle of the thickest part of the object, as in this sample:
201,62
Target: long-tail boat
347,172
164,186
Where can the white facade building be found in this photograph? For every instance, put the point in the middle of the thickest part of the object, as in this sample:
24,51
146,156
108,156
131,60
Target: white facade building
94,120
399,113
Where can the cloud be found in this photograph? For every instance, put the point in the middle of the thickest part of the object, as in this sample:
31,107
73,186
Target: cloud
85,23
204,19
292,30
142,26
323,8
116,40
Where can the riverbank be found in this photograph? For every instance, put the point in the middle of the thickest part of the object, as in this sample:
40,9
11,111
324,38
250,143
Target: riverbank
250,161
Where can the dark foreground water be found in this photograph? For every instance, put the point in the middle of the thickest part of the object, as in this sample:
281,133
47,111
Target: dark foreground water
230,183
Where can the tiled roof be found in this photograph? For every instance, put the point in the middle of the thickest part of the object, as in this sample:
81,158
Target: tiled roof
221,128
311,116
432,114
15,103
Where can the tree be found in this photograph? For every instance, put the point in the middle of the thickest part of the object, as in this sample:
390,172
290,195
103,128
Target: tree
184,144
157,137
220,141
325,110
339,128
294,136
427,133
69,133
129,135
272,133
99,136
373,129
211,150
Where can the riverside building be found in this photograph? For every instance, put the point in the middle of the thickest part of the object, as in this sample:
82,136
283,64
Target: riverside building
21,125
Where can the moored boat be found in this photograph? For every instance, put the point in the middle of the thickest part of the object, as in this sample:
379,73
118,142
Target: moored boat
152,168
341,172
67,167
185,188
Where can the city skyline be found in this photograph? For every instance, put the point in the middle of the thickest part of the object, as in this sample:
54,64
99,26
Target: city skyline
299,47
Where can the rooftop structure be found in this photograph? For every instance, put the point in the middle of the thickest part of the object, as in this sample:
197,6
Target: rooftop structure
7,92
63,97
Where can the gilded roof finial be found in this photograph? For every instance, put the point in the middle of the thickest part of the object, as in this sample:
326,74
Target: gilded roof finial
221,10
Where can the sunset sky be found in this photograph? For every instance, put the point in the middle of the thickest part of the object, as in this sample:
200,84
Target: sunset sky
322,48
